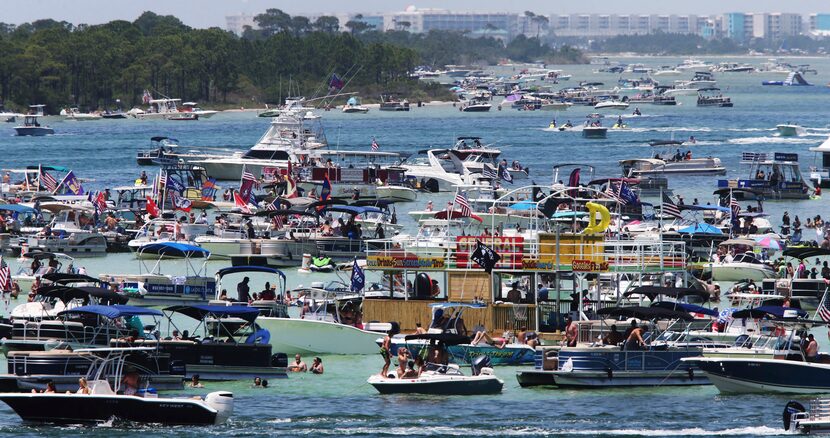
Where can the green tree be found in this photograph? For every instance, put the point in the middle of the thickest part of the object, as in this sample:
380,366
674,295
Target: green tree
327,24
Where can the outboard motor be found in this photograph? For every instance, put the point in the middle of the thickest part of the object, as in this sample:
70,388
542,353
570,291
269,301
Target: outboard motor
423,286
222,401
479,363
279,360
793,407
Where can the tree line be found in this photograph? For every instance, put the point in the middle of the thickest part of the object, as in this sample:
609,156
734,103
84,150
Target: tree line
93,66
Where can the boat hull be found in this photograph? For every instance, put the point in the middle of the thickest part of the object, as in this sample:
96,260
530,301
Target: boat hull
767,376
603,379
310,337
34,131
439,385
728,272
72,408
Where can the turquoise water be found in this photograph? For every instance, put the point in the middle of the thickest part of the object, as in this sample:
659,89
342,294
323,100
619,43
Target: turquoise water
340,402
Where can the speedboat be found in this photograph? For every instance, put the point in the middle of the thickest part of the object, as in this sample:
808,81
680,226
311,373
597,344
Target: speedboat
106,402
354,106
594,132
743,266
199,113
789,130
31,127
611,104
397,193
442,379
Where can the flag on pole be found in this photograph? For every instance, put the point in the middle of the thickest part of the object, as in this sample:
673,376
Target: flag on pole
208,189
463,205
5,278
152,208
375,145
72,183
278,222
180,202
47,181
171,183
485,256
290,186
246,186
100,202
241,203
358,278
335,83
822,310
734,205
668,207
611,193
627,196
488,171
273,205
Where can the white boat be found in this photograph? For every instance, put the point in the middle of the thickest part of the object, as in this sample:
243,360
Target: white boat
742,266
76,114
552,105
699,81
667,71
396,193
789,130
193,108
354,106
31,127
611,104
163,109
812,420
657,166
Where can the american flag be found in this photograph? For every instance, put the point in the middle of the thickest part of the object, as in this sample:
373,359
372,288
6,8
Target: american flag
733,204
273,205
822,310
375,145
609,192
669,207
463,205
5,278
48,181
278,222
248,176
100,202
489,172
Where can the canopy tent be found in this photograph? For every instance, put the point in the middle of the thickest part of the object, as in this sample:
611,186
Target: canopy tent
653,291
806,252
777,312
701,228
62,278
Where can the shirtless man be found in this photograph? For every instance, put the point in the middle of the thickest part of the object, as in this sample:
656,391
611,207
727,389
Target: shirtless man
635,339
570,333
298,366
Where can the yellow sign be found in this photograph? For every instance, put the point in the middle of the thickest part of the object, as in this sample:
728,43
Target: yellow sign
588,266
544,265
394,262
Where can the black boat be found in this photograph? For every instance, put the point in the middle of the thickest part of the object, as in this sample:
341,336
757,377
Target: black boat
232,345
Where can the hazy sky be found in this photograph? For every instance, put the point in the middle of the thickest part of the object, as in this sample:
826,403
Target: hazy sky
205,13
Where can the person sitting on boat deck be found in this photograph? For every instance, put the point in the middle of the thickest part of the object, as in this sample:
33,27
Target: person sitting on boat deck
418,329
83,387
811,350
50,388
529,338
269,293
194,382
317,366
243,290
403,358
298,366
635,339
613,337
130,382
570,332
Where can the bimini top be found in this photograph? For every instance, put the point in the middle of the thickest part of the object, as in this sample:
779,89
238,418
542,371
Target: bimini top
174,249
63,278
249,268
40,255
17,208
201,311
113,312
775,312
448,305
445,338
686,307
806,252
66,294
353,209
646,313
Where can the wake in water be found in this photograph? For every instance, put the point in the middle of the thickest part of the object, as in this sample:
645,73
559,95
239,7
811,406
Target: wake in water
771,139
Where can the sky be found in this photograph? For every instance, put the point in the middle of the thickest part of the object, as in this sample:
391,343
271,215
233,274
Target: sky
207,13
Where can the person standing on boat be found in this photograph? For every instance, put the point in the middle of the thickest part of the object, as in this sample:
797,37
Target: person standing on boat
811,349
385,352
635,339
570,332
243,290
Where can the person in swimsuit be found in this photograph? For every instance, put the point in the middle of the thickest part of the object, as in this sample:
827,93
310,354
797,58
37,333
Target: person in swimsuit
385,352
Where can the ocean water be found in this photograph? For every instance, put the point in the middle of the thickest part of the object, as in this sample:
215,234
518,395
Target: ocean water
340,402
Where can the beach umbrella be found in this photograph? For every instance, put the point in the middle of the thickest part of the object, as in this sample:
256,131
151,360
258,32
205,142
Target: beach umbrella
768,242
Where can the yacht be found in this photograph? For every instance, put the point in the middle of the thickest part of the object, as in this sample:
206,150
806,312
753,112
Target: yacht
463,164
700,80
288,135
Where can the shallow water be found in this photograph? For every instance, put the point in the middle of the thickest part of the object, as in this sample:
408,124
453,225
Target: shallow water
340,402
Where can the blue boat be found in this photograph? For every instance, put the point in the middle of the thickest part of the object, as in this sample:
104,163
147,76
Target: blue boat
614,366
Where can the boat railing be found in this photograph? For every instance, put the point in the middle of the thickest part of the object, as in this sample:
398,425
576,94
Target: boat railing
543,252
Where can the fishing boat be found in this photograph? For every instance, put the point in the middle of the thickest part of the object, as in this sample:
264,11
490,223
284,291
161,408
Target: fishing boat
163,109
317,331
31,127
712,97
612,366
775,177
353,105
106,402
442,378
391,102
789,130
227,344
161,150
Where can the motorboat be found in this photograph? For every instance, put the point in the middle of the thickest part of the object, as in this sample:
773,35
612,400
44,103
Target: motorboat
442,378
448,318
742,266
700,80
198,112
397,193
106,402
775,177
318,330
31,370
49,301
712,97
7,116
227,344
76,244
815,419
789,130
42,263
163,230
353,105
594,132
442,169
611,104
77,115
152,288
391,102
163,109
637,167
597,366
667,71
31,127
